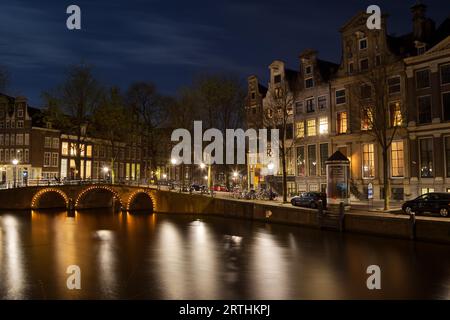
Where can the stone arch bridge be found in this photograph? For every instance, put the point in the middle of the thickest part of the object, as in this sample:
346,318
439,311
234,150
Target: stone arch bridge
125,197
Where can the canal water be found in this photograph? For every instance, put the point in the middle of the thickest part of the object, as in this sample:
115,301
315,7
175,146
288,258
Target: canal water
128,256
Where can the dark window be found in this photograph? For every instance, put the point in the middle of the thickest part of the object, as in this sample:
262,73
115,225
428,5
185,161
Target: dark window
394,85
398,194
312,160
253,95
277,78
446,105
366,91
426,158
363,44
301,161
447,155
322,102
445,74
309,83
350,67
364,64
323,158
424,109
310,107
423,79
340,96
308,70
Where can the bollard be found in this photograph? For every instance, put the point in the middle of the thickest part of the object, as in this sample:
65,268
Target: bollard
412,224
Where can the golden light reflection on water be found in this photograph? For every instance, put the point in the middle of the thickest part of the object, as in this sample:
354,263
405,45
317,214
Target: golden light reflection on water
12,259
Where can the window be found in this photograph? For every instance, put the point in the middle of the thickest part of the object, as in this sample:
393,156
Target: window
398,165
26,156
89,151
426,190
299,107
20,124
323,125
312,160
2,139
308,70
350,68
323,158
424,109
55,143
55,159
73,149
366,91
342,122
421,49
322,102
89,169
277,78
6,139
445,74
47,142
446,105
47,156
253,95
19,155
7,124
12,140
368,161
340,96
447,156
364,64
426,157
366,119
309,83
300,129
310,107
396,114
26,139
311,128
301,161
1,155
19,139
65,148
2,124
394,85
13,124
6,155
422,79
363,44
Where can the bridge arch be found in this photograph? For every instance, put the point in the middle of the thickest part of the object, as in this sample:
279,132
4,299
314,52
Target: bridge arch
38,196
141,195
85,191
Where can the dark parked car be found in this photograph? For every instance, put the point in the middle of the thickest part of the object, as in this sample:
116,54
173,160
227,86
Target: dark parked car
438,203
197,187
310,200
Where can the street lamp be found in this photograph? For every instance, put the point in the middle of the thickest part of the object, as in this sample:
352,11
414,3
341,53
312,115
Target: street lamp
15,162
105,171
270,166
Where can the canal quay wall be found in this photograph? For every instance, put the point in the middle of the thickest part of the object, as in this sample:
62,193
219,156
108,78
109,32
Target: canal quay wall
398,226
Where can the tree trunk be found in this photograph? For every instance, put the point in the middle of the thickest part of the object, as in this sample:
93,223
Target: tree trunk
283,164
386,180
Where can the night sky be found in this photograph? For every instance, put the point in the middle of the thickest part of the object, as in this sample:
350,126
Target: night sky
168,42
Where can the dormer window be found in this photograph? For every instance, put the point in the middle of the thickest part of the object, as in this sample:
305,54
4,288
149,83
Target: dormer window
421,49
309,83
308,70
277,78
363,44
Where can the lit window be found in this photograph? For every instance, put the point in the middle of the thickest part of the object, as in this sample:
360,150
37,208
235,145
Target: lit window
396,114
342,122
300,129
323,125
311,129
368,161
301,161
366,119
398,166
65,149
89,151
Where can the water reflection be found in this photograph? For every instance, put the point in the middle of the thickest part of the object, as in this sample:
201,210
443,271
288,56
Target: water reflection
186,257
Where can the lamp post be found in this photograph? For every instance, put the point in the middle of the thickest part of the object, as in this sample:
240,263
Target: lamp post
105,172
15,162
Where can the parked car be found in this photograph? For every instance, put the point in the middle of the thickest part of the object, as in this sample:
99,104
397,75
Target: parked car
310,200
434,202
220,188
197,187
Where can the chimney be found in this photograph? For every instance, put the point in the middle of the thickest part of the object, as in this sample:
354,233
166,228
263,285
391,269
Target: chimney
423,27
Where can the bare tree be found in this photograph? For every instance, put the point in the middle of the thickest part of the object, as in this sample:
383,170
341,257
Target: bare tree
278,114
379,118
77,97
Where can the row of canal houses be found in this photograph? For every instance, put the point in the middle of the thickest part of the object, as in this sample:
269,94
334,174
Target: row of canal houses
324,115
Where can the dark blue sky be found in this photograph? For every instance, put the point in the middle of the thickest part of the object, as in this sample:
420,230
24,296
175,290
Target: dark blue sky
168,42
